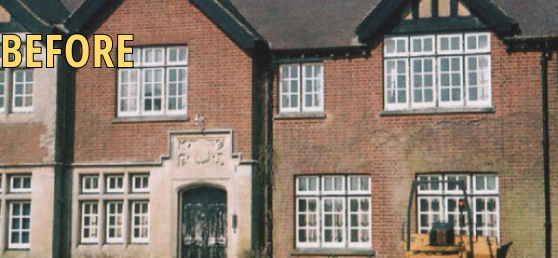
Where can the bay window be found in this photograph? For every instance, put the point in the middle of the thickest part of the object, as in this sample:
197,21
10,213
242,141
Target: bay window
437,71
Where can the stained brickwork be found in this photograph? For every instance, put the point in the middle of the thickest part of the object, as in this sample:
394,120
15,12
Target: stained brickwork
219,85
356,138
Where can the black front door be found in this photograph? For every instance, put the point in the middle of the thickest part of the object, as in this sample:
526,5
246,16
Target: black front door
203,223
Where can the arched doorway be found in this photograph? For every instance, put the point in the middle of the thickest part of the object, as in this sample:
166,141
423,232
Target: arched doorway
203,223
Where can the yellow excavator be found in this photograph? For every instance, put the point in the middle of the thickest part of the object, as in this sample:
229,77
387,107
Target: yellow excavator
442,242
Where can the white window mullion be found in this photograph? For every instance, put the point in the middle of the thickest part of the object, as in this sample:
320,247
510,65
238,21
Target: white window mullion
396,81
359,221
140,222
312,87
308,222
450,81
20,225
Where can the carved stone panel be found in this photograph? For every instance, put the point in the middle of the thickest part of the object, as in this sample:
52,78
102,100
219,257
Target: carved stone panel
201,151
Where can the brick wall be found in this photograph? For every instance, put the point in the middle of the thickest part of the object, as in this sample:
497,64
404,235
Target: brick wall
355,138
219,84
21,143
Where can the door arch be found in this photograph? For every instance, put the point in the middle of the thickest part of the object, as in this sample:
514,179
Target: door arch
203,223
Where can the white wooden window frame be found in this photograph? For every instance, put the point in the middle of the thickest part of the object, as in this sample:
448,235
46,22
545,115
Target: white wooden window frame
422,75
473,195
451,87
457,191
428,190
457,227
22,179
178,82
476,38
144,182
136,98
396,40
486,190
142,66
361,189
143,215
308,228
359,214
488,84
23,95
319,93
463,52
333,191
307,181
422,39
119,181
112,208
485,214
449,37
20,231
88,180
429,213
93,225
320,197
301,92
392,85
334,227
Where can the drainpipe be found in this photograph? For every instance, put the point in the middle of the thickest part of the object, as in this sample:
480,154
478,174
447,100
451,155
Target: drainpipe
546,153
269,183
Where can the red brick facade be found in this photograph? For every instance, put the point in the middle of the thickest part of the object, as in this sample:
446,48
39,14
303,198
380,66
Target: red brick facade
21,143
356,138
219,85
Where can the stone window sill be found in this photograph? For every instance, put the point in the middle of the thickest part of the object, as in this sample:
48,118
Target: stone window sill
151,119
301,115
334,252
434,111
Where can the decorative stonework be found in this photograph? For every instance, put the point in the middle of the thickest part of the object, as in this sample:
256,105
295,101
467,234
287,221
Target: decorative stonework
201,152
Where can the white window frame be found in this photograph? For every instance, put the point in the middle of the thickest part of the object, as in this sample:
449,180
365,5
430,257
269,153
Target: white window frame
320,196
422,73
472,195
333,228
113,189
22,189
111,213
23,95
19,231
137,97
449,37
422,39
307,179
134,215
457,225
315,79
333,192
429,213
429,177
394,75
396,40
184,96
438,54
84,183
359,244
92,226
450,102
458,191
479,103
140,177
306,228
141,66
476,37
496,189
485,214
360,189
